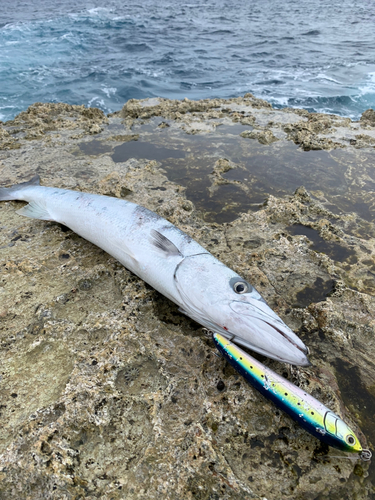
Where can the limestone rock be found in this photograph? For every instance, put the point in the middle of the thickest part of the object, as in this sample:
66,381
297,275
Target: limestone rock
368,117
262,136
107,390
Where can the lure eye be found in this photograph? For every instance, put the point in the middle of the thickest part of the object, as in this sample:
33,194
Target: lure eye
240,287
350,439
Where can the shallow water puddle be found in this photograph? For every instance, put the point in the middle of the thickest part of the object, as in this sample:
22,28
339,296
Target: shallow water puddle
94,148
258,170
344,181
334,250
315,293
141,149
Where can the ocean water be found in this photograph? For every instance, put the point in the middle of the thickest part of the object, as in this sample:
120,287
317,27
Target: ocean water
317,55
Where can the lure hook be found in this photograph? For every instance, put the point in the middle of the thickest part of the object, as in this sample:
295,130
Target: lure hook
365,455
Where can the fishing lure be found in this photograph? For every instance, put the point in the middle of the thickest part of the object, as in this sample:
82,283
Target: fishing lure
312,415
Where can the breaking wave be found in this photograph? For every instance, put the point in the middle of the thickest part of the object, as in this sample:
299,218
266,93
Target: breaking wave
290,54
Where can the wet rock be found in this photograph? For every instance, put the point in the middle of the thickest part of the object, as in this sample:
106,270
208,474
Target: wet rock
363,141
7,141
257,103
262,136
44,117
218,177
247,120
307,134
368,117
123,138
173,109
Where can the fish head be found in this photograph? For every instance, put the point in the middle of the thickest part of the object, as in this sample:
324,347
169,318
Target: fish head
224,302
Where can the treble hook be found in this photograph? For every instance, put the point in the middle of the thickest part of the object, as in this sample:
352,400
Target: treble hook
365,456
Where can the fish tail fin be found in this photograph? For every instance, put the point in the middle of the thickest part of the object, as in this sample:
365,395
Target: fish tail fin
13,193
34,209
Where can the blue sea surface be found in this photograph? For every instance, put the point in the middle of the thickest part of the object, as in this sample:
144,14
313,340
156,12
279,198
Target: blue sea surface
317,55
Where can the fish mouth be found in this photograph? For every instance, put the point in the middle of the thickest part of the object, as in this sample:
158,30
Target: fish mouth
304,350
264,332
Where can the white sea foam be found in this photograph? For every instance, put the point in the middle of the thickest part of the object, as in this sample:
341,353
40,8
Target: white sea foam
109,91
69,36
281,101
322,76
98,102
368,87
98,11
5,111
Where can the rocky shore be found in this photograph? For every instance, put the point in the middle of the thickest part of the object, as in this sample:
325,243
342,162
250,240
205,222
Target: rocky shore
107,391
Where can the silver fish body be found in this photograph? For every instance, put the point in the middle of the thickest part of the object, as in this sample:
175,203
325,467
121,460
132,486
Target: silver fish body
170,261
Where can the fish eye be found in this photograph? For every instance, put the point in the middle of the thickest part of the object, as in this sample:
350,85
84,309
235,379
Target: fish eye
350,439
240,287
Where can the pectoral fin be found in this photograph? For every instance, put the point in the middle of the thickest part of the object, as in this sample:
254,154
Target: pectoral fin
164,244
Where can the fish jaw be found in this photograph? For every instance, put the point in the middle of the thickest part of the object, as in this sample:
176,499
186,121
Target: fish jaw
282,352
271,338
256,326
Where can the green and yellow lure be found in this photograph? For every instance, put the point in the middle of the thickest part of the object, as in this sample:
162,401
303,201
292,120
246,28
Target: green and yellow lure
312,415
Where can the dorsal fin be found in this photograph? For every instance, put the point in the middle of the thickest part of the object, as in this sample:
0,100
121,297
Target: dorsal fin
34,181
164,244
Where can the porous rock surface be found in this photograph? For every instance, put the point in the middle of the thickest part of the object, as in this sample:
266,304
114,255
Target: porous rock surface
107,391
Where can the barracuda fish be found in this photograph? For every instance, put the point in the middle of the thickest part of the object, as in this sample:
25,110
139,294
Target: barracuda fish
170,261
312,415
